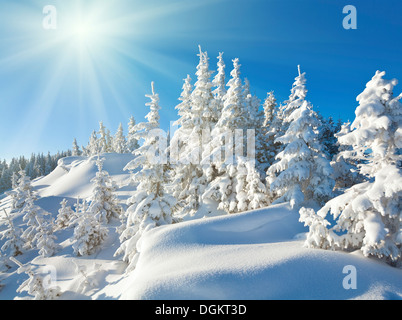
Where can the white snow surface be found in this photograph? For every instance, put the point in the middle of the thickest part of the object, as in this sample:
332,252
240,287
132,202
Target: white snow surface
253,255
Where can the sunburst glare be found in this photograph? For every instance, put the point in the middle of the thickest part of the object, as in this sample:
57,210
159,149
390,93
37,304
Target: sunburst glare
103,55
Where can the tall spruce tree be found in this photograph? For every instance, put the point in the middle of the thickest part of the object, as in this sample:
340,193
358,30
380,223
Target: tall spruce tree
150,206
302,171
198,116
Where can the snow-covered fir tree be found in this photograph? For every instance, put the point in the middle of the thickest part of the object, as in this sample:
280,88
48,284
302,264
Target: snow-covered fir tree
280,121
89,234
257,194
266,147
253,103
21,192
45,238
105,140
150,206
222,189
38,232
76,149
37,285
132,143
48,164
219,83
203,103
296,99
229,185
198,114
254,132
235,112
14,243
103,202
233,119
65,213
93,146
119,141
368,215
346,173
328,132
261,123
269,109
31,213
238,188
14,180
184,108
80,208
102,140
302,171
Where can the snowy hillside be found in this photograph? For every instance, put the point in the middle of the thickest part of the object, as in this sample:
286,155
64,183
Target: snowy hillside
258,254
254,255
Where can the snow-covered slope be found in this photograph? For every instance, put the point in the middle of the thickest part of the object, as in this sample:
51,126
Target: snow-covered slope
72,176
253,255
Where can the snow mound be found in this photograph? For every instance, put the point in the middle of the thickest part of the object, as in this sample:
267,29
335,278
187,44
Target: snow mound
72,176
254,255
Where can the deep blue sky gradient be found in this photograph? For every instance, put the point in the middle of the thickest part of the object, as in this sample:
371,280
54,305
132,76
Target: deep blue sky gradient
48,95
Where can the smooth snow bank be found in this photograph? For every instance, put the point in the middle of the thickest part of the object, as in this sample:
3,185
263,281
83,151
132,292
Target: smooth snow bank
72,176
255,255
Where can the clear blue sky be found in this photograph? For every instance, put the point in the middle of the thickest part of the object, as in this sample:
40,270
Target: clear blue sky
98,64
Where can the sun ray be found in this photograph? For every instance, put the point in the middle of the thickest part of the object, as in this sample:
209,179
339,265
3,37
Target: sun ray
98,62
37,118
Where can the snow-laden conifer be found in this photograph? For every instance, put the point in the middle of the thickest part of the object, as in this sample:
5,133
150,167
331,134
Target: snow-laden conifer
119,141
89,234
14,243
198,114
65,214
302,171
44,238
132,143
103,201
21,192
368,215
76,149
37,285
150,206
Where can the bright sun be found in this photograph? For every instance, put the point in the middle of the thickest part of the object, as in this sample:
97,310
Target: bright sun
84,33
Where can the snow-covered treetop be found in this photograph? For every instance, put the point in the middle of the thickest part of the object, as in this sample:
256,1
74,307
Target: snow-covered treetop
201,97
76,150
119,141
298,94
184,108
132,143
377,126
154,145
142,130
269,106
234,113
153,116
219,80
254,118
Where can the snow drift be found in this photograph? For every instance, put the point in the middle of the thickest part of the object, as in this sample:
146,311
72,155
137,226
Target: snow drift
254,255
